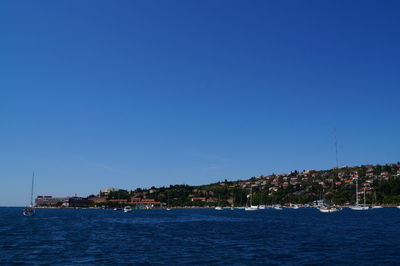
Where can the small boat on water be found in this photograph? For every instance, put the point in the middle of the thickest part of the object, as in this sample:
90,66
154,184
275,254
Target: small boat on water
29,211
168,208
398,207
127,209
375,202
328,209
358,207
218,208
277,207
261,207
251,207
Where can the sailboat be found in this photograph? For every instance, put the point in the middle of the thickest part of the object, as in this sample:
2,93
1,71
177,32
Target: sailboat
326,207
358,207
168,208
218,208
29,211
262,206
251,207
376,206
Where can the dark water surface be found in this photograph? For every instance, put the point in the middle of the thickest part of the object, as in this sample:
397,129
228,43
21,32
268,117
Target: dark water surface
210,237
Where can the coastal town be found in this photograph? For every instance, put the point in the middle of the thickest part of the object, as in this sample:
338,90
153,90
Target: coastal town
380,185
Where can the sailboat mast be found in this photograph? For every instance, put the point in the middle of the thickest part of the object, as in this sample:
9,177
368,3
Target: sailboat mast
251,196
33,178
364,198
356,191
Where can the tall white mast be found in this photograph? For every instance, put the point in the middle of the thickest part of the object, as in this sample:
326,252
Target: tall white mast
33,178
251,196
364,198
357,192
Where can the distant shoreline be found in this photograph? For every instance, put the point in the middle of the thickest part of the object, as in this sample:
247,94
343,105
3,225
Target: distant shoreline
186,208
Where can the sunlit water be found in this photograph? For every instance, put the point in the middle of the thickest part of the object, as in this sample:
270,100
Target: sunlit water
304,236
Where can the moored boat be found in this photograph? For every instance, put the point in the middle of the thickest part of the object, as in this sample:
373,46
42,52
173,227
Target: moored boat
127,209
358,207
374,206
328,209
251,208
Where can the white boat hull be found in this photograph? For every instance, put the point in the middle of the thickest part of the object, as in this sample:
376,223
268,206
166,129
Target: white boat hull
328,210
359,208
250,209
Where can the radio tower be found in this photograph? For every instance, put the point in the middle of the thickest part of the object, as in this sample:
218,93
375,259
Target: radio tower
336,150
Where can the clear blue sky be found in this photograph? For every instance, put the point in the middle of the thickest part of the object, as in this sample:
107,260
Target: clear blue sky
132,94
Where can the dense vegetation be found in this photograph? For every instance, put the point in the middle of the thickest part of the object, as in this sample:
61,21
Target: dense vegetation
381,184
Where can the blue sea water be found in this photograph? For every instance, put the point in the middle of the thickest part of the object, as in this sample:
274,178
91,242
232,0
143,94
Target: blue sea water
209,237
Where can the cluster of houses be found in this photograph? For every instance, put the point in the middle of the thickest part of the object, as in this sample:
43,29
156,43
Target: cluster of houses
300,181
79,202
135,201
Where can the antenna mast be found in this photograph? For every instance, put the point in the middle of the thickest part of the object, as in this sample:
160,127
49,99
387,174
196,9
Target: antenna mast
336,150
33,176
